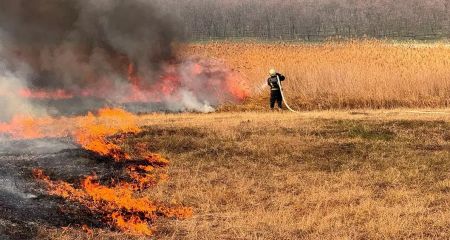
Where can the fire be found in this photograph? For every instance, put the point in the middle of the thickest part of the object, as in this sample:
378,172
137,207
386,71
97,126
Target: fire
205,78
194,82
118,202
93,131
26,127
45,94
236,89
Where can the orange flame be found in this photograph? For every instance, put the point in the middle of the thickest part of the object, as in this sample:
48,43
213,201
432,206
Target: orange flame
45,94
236,88
117,203
93,131
221,83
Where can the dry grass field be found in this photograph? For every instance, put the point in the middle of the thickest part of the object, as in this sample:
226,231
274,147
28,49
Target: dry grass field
126,120
321,174
356,74
315,175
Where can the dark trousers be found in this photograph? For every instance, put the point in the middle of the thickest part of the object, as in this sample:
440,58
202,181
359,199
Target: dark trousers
275,96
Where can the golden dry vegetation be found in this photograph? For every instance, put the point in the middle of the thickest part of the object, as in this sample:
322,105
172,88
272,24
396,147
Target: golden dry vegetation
357,174
354,74
315,175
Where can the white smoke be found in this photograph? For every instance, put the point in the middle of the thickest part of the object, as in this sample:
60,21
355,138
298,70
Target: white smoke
187,101
12,187
11,83
110,52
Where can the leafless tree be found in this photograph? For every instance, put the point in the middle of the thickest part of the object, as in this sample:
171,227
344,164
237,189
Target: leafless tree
311,19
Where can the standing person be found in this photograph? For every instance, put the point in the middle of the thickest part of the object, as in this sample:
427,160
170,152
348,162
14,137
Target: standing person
275,90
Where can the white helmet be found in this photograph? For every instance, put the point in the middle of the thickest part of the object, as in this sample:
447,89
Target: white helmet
272,72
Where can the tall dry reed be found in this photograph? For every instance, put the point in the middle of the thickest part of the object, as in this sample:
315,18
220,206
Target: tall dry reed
354,74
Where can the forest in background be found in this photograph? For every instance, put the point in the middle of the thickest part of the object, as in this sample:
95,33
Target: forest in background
311,20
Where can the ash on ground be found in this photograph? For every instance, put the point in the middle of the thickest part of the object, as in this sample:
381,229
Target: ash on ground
24,204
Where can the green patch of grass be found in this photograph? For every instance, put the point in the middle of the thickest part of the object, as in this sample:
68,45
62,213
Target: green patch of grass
371,133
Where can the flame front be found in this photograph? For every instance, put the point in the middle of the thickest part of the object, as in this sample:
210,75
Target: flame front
117,202
93,131
188,85
206,79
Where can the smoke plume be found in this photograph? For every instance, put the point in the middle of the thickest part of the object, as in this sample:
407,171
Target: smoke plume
10,84
67,56
116,50
67,41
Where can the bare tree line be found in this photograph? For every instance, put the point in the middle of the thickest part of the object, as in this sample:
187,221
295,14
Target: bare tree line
311,19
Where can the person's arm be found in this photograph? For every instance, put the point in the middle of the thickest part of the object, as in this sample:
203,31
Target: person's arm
282,78
268,82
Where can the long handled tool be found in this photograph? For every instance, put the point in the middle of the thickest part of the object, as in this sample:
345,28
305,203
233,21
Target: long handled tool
282,95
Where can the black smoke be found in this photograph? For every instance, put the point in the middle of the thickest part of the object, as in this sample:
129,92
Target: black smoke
72,44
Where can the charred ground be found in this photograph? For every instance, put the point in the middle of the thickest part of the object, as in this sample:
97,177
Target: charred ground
25,204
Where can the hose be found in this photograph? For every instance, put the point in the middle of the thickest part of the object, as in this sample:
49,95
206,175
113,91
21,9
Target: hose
282,95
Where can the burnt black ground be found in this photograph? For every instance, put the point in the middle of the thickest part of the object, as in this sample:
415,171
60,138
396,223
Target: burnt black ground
81,106
24,204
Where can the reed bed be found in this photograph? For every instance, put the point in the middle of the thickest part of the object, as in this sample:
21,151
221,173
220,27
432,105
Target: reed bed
353,74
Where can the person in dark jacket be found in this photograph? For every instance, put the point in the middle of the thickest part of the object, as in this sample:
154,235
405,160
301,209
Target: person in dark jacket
275,91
